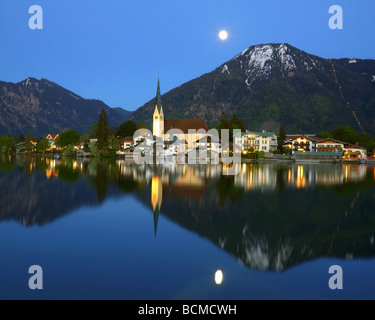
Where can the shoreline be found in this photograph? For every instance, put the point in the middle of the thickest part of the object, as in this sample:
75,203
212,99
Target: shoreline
243,160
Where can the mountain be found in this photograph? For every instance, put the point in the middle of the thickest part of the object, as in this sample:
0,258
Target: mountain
42,107
272,84
125,114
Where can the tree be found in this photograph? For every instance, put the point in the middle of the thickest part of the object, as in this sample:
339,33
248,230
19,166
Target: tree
126,129
223,123
29,146
68,137
95,152
141,126
236,123
102,131
345,134
281,139
364,139
84,140
7,143
93,129
42,144
69,151
325,135
113,143
371,146
21,138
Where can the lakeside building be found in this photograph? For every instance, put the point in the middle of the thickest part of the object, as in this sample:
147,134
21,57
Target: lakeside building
256,141
52,139
349,151
303,143
289,138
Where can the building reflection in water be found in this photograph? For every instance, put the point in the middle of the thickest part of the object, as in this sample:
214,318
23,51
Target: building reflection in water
253,176
265,177
192,180
195,196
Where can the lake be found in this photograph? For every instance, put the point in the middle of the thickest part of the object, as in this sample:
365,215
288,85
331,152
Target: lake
117,230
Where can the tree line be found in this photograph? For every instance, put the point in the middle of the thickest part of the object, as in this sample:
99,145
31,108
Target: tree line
105,141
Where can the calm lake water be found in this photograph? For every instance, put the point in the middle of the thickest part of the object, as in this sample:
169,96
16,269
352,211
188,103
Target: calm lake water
116,230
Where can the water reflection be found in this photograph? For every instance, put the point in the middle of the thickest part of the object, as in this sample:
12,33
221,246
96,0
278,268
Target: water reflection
253,176
268,217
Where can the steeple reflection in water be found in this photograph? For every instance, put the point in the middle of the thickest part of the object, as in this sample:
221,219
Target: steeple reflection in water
269,216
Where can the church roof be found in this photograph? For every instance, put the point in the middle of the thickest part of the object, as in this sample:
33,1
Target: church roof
185,124
158,97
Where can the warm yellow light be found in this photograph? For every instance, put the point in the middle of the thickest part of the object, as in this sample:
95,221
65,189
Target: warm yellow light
219,277
156,192
223,35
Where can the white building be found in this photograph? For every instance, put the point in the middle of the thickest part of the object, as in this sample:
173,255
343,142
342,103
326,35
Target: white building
303,144
350,151
256,141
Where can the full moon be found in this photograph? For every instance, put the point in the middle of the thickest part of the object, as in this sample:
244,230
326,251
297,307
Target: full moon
223,35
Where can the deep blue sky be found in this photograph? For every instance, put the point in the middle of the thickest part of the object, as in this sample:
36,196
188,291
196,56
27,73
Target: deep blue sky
113,50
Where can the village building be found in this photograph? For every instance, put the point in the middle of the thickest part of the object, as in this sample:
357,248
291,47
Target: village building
330,145
303,144
52,139
251,141
349,151
354,152
289,138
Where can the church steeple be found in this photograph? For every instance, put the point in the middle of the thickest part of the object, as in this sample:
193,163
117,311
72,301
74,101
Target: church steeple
158,98
158,119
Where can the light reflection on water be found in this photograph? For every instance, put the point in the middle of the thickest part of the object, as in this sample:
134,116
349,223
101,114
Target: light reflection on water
270,217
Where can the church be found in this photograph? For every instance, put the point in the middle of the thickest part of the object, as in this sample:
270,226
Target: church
176,129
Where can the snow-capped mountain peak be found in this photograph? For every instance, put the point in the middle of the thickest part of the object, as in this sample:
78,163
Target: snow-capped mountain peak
260,61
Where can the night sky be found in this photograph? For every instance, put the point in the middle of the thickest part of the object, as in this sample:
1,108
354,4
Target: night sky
113,50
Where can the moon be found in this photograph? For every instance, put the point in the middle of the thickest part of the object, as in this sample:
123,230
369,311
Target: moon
223,35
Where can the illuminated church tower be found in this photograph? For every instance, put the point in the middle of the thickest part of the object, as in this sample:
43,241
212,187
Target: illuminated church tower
158,118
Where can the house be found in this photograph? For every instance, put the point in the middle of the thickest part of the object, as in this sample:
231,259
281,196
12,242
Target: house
329,145
126,142
84,153
52,139
303,144
349,151
256,141
354,152
289,138
20,147
126,152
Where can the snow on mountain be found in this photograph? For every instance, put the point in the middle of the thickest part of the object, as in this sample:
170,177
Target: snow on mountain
260,61
29,82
